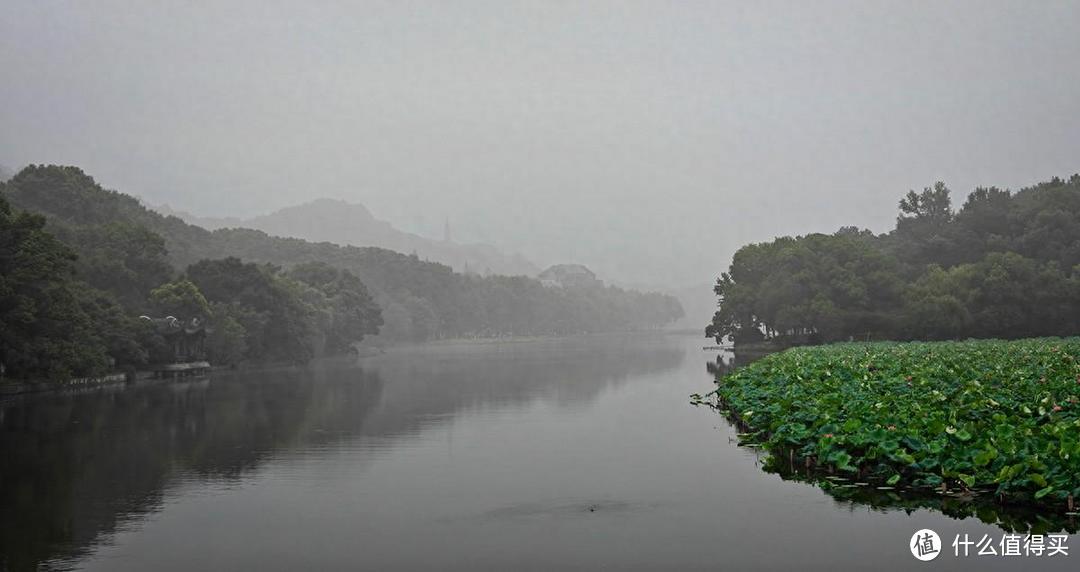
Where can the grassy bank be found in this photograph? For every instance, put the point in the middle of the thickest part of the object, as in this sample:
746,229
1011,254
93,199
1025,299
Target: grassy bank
982,417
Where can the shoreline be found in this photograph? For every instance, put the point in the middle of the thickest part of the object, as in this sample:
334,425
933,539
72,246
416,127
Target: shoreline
28,387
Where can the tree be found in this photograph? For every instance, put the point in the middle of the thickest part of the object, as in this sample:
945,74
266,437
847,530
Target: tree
994,269
433,299
935,308
932,206
122,333
279,324
817,286
350,311
44,331
180,299
124,259
226,344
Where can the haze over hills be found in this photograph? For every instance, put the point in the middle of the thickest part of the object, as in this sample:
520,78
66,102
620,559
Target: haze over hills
353,224
345,223
697,300
644,161
348,223
420,300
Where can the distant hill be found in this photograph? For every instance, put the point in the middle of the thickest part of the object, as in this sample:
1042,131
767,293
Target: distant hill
340,222
420,300
697,300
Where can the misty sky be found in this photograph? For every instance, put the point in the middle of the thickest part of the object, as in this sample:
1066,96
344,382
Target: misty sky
646,140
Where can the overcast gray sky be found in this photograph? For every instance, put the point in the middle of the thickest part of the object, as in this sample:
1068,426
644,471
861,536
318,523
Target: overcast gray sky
648,140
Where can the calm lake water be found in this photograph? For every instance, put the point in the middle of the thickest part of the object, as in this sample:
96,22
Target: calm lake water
579,453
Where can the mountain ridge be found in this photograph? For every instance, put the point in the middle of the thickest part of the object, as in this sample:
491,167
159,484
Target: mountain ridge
420,300
353,224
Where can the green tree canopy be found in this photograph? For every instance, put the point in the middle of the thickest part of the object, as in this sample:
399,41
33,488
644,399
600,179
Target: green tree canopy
1004,265
44,329
348,311
279,324
429,300
180,299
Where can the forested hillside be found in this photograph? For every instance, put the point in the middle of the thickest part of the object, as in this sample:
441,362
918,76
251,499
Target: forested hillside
1005,264
340,222
86,299
98,259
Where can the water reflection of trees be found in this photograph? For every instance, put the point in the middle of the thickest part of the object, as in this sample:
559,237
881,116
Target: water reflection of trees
1016,518
727,361
568,371
78,466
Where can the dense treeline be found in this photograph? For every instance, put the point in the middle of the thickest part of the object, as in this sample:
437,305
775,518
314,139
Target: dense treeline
73,293
84,262
1005,265
420,300
71,303
47,319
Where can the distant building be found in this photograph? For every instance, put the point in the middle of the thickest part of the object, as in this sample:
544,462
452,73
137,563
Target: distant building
187,339
569,276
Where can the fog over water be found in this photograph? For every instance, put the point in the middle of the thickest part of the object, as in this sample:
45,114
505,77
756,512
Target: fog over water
645,140
578,453
433,285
